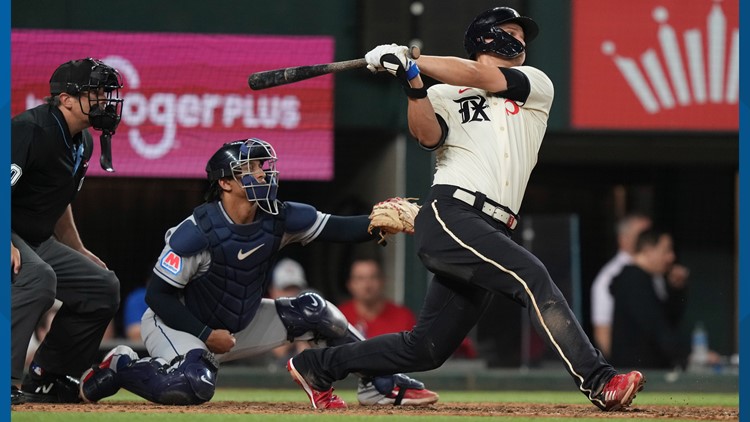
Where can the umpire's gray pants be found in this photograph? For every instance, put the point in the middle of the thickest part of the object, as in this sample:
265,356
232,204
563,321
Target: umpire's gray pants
90,295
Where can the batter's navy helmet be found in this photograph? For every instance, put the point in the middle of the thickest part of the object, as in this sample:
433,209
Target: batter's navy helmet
485,27
233,160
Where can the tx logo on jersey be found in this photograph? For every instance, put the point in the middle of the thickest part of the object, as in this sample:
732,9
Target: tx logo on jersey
242,255
171,262
472,109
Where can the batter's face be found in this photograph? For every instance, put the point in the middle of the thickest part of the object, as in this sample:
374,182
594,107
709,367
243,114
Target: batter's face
365,282
515,31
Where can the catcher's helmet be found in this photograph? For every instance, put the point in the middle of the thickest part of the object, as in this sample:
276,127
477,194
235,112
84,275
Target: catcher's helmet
233,160
485,26
90,75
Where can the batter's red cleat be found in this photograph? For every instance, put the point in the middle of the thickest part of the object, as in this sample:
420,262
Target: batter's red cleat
319,399
620,391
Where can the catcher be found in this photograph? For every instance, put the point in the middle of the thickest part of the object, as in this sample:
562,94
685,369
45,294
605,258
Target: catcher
205,293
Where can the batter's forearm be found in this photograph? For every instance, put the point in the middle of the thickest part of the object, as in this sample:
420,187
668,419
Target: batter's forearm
423,123
463,72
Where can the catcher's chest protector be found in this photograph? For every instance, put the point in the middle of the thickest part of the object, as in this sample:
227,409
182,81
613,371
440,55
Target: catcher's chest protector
227,296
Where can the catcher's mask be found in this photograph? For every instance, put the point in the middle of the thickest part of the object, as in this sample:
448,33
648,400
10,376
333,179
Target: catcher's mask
486,27
243,161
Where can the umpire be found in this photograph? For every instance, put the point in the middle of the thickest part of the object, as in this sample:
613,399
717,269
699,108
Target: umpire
50,151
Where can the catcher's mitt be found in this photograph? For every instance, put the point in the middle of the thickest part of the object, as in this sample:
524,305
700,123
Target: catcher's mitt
392,216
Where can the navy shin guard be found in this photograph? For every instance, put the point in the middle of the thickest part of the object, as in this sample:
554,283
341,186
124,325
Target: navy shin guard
189,379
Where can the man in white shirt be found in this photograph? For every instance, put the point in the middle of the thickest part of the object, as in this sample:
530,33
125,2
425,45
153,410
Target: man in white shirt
602,300
602,304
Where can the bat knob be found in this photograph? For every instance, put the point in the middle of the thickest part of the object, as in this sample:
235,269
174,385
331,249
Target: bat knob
414,52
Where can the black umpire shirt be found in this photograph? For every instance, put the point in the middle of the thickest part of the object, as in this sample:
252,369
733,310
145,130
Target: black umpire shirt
47,170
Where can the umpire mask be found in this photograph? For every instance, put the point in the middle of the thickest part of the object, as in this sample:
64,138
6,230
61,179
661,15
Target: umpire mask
93,81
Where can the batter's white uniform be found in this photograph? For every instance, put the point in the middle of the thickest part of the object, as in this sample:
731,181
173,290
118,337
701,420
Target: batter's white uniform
497,158
462,233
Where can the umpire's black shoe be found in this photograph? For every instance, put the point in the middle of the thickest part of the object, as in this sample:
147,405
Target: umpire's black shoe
16,395
44,387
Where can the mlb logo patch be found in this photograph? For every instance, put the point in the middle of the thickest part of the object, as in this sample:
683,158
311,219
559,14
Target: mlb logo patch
172,262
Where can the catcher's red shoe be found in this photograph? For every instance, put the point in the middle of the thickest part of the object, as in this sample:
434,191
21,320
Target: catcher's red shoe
319,399
620,390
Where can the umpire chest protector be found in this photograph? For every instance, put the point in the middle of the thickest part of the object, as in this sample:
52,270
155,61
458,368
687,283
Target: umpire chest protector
227,296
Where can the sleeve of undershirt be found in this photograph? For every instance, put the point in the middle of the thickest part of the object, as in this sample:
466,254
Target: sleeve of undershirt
164,300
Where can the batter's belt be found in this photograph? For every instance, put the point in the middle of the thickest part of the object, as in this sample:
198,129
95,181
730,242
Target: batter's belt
480,201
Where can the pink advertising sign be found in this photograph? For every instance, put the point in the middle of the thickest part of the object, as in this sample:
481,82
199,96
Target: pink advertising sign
186,94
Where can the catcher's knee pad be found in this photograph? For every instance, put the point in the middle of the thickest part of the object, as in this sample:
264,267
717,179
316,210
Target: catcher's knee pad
310,312
189,379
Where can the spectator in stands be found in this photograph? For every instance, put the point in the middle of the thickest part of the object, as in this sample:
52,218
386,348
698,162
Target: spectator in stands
602,304
369,310
135,306
645,329
288,280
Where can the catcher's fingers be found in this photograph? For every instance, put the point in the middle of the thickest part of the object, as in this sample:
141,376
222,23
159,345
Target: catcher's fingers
383,238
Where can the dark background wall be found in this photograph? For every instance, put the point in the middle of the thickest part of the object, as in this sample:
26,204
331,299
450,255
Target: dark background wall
687,181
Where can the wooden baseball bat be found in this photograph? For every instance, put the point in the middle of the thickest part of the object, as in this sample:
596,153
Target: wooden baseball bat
287,75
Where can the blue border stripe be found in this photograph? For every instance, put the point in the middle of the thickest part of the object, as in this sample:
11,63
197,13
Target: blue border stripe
744,212
5,213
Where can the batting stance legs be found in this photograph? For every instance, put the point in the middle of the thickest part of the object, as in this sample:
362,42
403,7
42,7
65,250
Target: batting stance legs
182,371
472,257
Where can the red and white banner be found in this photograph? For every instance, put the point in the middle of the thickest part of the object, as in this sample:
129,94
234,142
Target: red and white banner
186,94
655,64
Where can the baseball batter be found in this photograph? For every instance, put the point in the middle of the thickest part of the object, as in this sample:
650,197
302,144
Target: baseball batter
486,124
205,295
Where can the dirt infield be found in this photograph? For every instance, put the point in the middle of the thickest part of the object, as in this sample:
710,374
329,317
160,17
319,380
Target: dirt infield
700,413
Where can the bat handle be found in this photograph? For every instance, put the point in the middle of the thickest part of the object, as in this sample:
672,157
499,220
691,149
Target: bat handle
414,52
